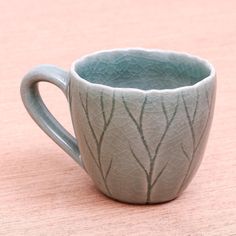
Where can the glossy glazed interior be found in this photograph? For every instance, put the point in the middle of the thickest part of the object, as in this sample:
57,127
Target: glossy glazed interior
142,69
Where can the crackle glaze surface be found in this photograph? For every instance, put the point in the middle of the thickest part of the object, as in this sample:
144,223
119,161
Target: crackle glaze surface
141,146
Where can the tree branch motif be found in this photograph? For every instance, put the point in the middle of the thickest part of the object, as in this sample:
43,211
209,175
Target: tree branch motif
99,139
139,125
138,161
190,157
190,122
196,107
159,174
108,169
151,180
185,153
85,108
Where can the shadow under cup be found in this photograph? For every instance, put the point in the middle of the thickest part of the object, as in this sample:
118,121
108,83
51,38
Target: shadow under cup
142,69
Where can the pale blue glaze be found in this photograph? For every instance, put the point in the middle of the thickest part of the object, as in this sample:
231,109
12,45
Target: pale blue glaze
142,69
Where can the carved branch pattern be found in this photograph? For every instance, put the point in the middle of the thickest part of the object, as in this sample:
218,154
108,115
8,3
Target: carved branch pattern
152,175
98,139
150,178
190,157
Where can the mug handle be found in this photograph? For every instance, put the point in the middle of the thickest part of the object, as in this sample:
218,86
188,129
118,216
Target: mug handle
41,115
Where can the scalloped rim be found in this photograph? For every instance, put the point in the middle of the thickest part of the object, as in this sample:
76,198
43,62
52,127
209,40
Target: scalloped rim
211,76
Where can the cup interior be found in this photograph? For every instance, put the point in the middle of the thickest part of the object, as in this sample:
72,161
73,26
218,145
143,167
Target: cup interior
142,69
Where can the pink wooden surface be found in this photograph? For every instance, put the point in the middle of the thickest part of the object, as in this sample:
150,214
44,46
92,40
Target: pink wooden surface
42,191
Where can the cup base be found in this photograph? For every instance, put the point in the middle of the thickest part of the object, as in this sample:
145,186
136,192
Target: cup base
137,203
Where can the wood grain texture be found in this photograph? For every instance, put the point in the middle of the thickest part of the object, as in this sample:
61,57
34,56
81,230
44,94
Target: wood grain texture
42,191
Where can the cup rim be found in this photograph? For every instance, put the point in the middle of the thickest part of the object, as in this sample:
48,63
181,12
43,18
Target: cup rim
211,68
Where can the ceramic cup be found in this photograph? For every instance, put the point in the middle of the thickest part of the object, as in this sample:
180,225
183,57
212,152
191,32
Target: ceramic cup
141,119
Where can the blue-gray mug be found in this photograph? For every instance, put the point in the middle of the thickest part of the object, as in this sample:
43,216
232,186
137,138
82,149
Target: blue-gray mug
141,119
